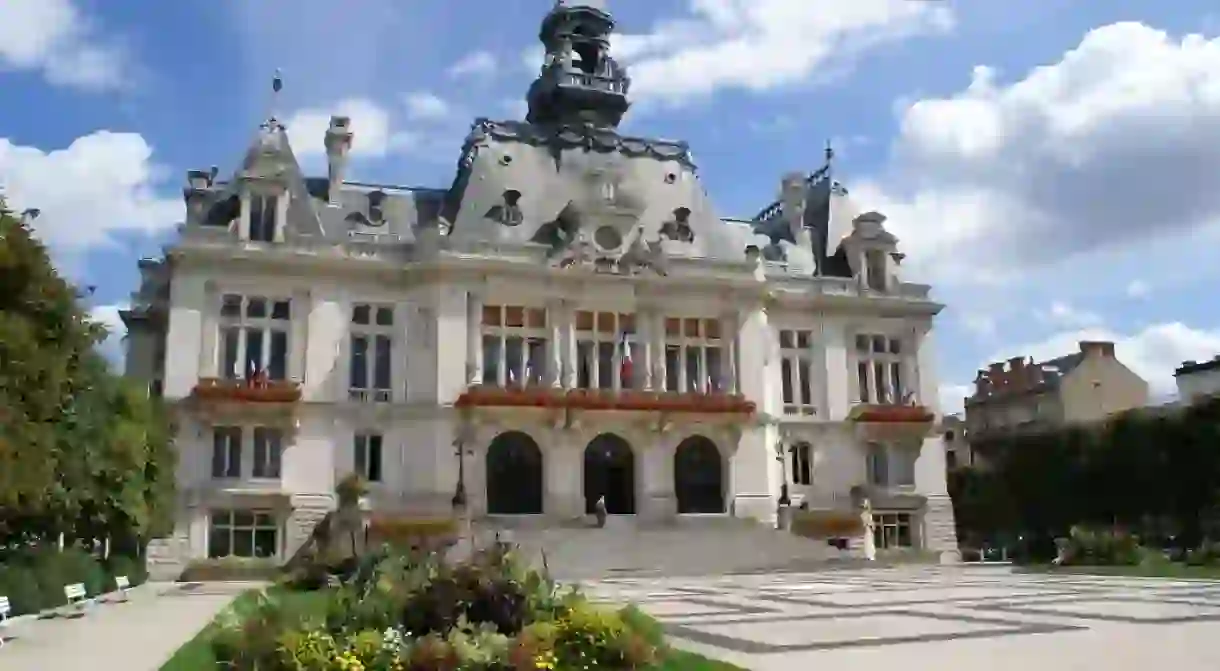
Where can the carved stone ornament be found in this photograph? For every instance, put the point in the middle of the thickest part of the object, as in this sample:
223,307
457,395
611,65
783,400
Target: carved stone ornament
508,213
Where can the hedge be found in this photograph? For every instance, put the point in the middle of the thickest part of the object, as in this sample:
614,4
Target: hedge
33,579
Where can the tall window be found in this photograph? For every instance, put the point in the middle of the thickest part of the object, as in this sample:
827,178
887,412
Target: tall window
268,447
606,353
514,345
254,336
879,370
693,361
262,217
892,530
796,355
802,463
242,533
226,452
367,457
891,466
372,346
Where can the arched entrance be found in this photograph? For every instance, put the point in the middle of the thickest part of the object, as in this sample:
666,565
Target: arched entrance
699,476
610,472
514,475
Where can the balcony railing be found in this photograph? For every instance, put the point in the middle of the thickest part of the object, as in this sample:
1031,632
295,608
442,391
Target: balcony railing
247,391
891,413
370,395
597,399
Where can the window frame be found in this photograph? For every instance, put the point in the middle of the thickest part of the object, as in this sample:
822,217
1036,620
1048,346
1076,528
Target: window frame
800,456
886,363
523,328
600,338
895,520
362,449
271,465
797,371
263,216
373,330
269,326
228,522
700,336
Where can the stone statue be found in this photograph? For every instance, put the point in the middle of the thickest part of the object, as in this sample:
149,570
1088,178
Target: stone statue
866,520
599,509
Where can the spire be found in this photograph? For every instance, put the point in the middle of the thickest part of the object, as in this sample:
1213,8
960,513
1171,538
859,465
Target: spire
580,83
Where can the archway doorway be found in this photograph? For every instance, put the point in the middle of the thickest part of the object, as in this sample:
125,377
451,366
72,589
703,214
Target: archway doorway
699,476
610,472
514,475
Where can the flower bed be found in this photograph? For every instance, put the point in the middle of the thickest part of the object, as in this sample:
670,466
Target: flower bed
421,613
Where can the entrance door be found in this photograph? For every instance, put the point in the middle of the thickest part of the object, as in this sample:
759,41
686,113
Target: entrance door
610,471
699,476
514,475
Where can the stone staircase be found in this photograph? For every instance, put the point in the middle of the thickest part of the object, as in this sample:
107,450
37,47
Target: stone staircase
166,557
689,546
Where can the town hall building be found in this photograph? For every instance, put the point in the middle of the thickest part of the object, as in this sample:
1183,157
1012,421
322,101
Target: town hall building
569,319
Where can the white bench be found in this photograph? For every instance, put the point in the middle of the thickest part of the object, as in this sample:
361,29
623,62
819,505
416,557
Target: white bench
5,609
77,596
122,584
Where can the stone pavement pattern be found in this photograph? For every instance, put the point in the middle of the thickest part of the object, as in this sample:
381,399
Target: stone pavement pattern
934,618
138,635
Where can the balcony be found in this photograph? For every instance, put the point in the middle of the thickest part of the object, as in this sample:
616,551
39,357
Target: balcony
627,400
885,422
254,391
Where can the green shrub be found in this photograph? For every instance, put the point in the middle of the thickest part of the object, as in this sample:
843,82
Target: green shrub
230,568
117,565
19,584
1207,554
1102,547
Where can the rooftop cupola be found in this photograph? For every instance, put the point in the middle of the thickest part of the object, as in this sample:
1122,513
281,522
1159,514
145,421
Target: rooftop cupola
580,83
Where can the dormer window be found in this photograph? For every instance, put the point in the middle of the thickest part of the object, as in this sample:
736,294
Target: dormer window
874,270
263,210
376,213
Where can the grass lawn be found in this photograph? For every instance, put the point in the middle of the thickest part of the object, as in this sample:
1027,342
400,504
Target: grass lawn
196,655
1146,570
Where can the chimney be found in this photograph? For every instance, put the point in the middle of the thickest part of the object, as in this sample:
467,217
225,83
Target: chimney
1017,372
1098,348
338,142
982,384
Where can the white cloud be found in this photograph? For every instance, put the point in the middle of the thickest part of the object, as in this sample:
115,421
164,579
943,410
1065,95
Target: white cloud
54,37
952,397
108,316
1113,145
101,184
473,64
1138,289
1061,314
372,130
761,45
1152,352
425,106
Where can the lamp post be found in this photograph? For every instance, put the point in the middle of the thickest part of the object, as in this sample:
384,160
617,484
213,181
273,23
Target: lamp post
461,506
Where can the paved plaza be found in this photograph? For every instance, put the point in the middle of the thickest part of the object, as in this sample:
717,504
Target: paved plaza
934,618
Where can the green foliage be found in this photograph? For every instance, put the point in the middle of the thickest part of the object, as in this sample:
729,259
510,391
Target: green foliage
1154,472
82,452
33,578
1102,547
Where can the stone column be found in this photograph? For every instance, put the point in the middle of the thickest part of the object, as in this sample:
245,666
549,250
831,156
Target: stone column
209,312
564,500
298,344
647,333
658,339
555,316
659,502
474,338
728,327
570,349
243,220
281,215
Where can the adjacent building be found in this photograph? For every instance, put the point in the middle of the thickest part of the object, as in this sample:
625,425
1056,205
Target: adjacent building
1197,380
1021,394
568,319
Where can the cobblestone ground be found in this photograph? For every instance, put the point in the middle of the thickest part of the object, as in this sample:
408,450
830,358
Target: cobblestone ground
934,618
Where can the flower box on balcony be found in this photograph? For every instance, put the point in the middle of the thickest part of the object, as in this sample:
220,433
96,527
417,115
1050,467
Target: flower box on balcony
632,399
247,391
506,397
590,399
891,414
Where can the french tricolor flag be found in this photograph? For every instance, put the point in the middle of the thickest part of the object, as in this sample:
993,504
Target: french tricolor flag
626,370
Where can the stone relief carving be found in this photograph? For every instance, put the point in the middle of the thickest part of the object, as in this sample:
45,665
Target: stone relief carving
507,213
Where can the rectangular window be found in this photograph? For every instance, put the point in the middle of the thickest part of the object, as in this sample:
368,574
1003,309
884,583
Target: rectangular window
877,463
367,457
515,346
263,217
606,351
694,362
226,452
242,533
802,463
370,359
268,448
880,364
892,530
254,337
796,367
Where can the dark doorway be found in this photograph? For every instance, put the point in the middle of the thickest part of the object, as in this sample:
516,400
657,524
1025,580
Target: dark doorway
699,476
514,475
610,472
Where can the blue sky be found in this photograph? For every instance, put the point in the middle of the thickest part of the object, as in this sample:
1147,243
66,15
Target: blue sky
1047,166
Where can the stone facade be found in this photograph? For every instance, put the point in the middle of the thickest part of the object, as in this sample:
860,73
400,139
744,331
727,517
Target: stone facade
679,362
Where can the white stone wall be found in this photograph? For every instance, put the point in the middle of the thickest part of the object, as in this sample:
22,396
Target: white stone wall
1193,386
